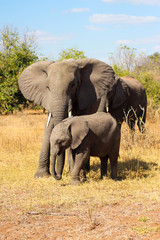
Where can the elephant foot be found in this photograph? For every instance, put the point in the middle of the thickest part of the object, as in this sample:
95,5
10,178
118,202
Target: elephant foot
76,182
42,173
82,175
114,177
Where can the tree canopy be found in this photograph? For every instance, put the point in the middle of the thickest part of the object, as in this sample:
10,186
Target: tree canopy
71,53
16,53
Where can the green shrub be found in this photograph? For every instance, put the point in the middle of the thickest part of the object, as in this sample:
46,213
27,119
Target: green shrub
71,53
120,71
152,87
15,55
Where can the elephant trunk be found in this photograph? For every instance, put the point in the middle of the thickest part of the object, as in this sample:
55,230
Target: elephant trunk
61,110
53,163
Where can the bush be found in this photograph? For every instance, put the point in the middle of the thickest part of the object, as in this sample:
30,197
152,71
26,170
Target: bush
152,87
15,55
71,53
120,71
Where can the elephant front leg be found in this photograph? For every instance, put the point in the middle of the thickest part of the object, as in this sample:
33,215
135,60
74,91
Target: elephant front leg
44,159
70,157
80,160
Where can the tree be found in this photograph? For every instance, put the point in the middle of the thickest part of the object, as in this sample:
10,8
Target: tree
16,53
123,60
155,58
71,53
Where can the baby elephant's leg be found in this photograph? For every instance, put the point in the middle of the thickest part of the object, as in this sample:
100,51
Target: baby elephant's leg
104,161
70,156
80,160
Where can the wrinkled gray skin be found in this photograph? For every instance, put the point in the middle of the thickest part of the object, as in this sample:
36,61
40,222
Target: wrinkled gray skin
89,135
61,87
127,101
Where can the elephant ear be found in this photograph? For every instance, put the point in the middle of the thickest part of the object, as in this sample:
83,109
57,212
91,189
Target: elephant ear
121,93
33,83
96,79
78,130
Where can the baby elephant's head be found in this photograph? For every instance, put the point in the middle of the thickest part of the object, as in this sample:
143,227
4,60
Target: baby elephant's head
60,139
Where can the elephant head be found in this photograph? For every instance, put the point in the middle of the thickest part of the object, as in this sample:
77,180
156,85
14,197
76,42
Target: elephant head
68,133
120,93
51,85
57,85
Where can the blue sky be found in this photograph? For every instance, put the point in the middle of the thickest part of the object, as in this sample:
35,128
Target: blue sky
97,27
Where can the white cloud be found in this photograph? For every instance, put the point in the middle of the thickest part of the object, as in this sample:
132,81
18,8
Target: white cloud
121,19
79,10
138,41
136,2
93,28
46,37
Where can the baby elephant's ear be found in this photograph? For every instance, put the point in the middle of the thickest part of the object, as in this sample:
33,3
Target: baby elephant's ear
78,130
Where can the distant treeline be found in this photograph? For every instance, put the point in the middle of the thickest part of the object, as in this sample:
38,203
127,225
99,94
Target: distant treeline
17,52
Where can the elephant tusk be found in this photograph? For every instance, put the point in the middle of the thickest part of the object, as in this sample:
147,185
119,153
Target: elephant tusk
48,119
107,109
69,113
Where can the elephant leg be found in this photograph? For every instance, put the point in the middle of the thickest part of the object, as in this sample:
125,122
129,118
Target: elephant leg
44,159
104,161
80,160
82,175
70,157
113,161
87,165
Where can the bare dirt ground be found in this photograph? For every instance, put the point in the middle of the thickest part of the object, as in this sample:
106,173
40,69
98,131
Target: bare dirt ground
116,221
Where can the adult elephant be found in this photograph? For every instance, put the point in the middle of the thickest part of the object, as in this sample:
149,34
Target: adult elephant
62,87
127,101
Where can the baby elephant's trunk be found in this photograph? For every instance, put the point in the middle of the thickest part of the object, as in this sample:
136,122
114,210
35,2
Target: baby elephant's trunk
53,163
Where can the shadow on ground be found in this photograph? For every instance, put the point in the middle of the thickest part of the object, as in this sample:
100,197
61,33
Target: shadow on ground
131,168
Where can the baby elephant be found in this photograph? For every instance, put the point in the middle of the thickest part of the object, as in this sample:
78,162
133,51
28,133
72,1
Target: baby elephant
90,135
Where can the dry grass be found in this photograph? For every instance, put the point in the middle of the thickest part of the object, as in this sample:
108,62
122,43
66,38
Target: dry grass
20,142
138,170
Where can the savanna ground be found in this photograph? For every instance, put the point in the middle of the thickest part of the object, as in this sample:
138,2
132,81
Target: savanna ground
98,209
